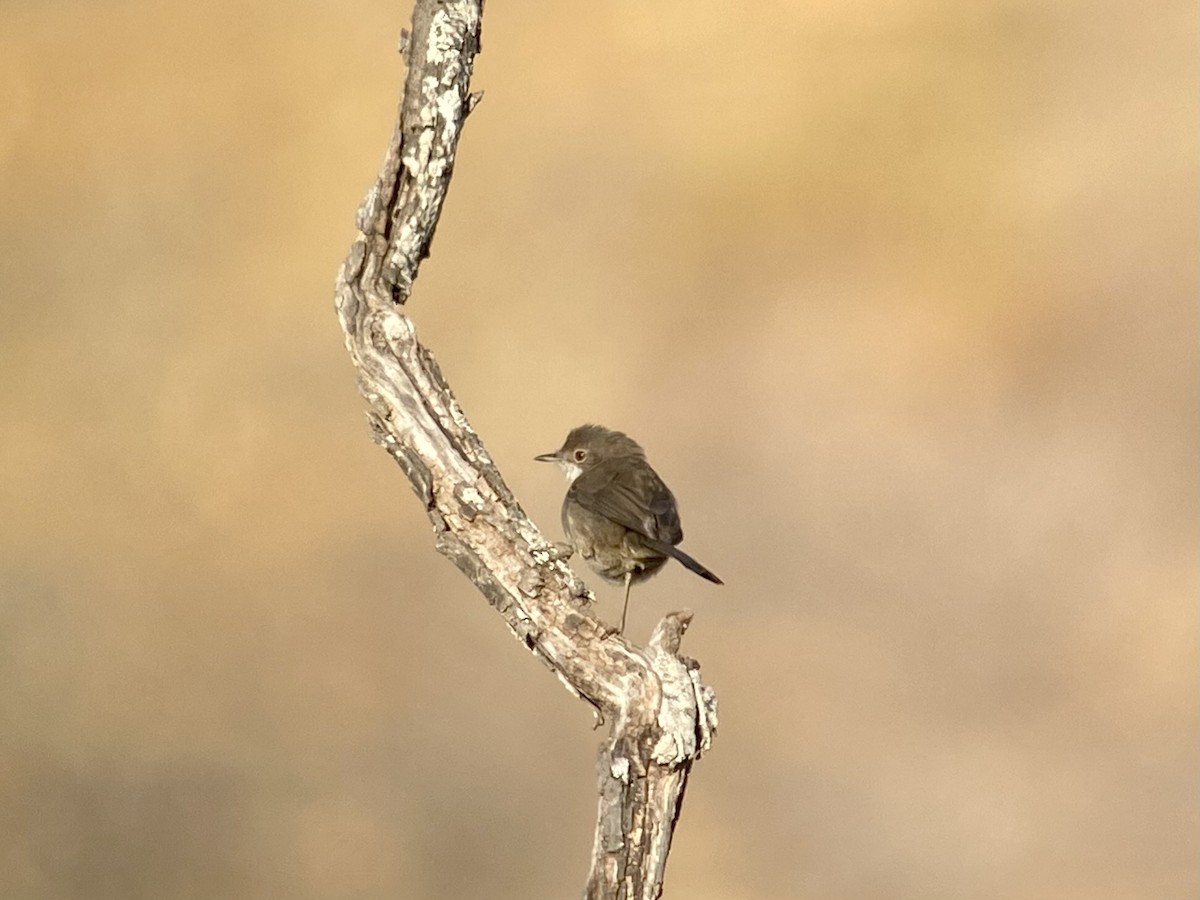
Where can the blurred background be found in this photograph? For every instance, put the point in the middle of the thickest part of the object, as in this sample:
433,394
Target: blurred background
900,299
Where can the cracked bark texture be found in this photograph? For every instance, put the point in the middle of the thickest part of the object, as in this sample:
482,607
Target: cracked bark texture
662,717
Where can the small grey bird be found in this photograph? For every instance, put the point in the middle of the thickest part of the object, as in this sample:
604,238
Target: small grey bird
618,514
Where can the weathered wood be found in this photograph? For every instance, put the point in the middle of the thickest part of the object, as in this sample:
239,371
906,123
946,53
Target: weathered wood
662,717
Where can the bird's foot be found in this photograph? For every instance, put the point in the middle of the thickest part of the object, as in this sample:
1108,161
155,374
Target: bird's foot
607,631
561,552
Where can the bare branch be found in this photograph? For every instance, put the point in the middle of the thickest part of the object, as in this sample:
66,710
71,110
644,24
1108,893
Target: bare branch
662,717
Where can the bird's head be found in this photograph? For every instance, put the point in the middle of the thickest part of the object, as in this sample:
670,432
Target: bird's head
588,446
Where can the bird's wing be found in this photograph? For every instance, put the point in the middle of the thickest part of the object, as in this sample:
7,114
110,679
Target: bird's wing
630,495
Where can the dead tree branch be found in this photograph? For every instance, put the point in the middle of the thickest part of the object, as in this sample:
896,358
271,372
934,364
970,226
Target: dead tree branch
662,716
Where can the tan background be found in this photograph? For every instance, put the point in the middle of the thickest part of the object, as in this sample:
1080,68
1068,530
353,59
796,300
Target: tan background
900,297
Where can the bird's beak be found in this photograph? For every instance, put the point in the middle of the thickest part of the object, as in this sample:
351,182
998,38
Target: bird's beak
547,457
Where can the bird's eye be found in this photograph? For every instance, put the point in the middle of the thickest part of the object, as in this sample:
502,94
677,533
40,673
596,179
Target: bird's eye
580,455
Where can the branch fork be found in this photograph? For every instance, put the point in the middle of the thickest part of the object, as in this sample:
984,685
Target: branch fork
663,717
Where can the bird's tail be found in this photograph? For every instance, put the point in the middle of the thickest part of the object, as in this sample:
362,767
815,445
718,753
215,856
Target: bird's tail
686,561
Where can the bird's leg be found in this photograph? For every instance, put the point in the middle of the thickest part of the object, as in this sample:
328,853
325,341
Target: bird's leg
625,608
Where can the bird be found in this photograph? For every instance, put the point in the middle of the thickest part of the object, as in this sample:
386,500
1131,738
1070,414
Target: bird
618,514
